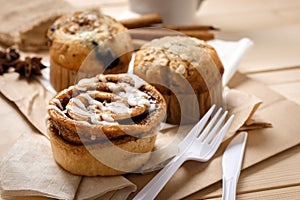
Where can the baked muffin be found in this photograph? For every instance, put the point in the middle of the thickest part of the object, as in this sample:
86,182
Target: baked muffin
105,125
187,72
84,44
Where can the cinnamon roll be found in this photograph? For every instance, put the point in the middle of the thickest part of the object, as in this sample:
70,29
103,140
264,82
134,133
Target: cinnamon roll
84,44
105,125
186,71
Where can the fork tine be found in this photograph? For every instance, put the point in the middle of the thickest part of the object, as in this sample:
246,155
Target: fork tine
216,128
197,128
210,125
219,138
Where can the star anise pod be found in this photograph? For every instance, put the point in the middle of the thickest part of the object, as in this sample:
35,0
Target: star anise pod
8,59
30,66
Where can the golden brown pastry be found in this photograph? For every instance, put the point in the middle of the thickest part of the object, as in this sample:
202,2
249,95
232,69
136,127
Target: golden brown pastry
105,125
188,73
84,44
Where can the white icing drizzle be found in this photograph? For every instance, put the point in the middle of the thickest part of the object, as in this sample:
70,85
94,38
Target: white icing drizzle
102,78
138,82
57,102
82,89
49,107
78,103
107,117
85,81
96,119
92,101
133,96
152,107
93,137
79,111
117,108
127,98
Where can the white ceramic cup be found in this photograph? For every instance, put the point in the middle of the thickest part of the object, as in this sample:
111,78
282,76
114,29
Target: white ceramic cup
173,12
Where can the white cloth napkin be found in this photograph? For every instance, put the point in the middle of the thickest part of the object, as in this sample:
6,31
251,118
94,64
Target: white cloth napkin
231,54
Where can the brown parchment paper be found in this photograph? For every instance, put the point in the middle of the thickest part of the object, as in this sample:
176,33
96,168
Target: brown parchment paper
31,99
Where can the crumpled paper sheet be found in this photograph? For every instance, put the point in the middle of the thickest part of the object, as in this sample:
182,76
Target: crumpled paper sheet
25,24
30,96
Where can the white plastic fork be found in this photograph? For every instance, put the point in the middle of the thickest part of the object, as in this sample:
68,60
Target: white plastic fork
192,147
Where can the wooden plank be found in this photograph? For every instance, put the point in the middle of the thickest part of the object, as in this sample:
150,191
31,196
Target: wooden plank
278,171
280,193
271,50
275,77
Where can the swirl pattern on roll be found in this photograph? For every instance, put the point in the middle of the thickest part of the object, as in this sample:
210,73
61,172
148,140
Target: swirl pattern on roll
107,107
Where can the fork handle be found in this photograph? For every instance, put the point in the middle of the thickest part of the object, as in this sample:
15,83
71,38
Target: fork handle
229,188
151,190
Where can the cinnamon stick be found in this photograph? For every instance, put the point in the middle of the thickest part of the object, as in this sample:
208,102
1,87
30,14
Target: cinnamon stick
203,35
137,43
152,33
142,21
191,27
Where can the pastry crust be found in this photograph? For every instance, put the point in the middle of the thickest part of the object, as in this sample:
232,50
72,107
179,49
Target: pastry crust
89,42
81,159
122,110
186,70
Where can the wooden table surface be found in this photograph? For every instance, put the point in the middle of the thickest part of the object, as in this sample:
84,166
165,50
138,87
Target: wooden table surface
274,27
